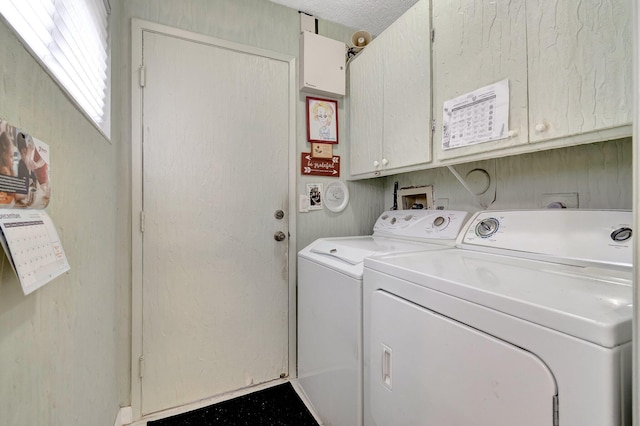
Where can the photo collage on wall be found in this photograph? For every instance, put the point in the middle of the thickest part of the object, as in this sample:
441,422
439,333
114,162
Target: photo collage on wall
322,134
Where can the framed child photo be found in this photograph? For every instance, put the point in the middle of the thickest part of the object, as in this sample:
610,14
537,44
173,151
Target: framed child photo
322,120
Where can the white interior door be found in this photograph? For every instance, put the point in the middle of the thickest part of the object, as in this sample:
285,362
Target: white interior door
427,369
215,170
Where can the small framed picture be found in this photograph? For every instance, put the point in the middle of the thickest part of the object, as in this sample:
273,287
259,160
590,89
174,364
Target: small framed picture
322,120
314,191
321,150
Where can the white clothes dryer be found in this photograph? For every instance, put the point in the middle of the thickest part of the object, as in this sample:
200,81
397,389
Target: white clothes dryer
330,304
527,322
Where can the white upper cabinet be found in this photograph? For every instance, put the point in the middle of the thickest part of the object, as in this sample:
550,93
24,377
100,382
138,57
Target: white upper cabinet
390,93
568,65
476,44
580,66
365,111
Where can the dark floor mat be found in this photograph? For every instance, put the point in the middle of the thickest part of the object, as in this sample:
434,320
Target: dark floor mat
275,406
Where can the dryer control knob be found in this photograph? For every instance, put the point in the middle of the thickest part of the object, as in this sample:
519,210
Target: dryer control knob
621,234
487,227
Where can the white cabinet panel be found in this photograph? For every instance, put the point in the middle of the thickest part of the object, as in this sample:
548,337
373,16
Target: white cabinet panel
365,111
407,81
390,112
478,43
580,66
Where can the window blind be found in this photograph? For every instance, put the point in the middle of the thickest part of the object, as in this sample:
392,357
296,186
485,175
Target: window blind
70,38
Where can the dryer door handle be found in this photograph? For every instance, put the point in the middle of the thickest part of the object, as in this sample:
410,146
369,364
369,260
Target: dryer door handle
386,366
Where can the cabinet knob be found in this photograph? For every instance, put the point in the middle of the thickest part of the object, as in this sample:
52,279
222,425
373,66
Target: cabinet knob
541,127
385,161
513,133
376,163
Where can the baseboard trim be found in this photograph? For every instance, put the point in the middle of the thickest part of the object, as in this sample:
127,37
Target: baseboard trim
124,417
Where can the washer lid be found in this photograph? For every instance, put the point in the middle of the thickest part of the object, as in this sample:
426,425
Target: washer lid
593,304
346,254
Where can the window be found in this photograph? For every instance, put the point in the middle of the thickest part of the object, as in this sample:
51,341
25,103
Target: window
70,39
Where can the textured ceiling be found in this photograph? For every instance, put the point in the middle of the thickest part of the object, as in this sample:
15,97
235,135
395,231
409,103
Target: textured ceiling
373,16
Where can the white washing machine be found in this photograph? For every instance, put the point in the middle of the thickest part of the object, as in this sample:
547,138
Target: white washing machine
526,322
330,304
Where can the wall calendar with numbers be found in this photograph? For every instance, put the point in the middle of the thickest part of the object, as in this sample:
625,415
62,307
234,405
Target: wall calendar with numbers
475,117
33,247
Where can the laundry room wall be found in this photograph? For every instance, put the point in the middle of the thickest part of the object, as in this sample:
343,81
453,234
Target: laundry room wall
255,23
58,344
600,173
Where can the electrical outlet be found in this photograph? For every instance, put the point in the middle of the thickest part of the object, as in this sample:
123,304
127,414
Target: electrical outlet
567,200
441,203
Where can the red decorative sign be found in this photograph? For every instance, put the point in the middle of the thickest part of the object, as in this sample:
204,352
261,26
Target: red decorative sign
320,166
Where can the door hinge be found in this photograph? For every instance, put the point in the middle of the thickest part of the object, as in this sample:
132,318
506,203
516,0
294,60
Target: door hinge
556,411
433,126
142,76
433,35
140,366
142,221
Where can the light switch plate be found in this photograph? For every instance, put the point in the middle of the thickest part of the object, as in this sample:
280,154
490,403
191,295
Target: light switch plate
303,207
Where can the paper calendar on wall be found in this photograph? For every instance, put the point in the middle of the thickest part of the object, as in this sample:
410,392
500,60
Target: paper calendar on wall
476,117
27,235
32,246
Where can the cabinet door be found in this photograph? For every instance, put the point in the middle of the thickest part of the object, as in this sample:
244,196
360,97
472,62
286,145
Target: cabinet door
478,43
407,89
580,66
365,110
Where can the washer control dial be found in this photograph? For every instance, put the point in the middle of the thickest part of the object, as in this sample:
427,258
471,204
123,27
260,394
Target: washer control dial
487,227
621,234
439,222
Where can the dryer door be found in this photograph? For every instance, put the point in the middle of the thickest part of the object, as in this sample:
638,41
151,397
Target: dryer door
427,369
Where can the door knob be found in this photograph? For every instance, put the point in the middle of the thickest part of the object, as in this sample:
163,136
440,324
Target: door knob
279,236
